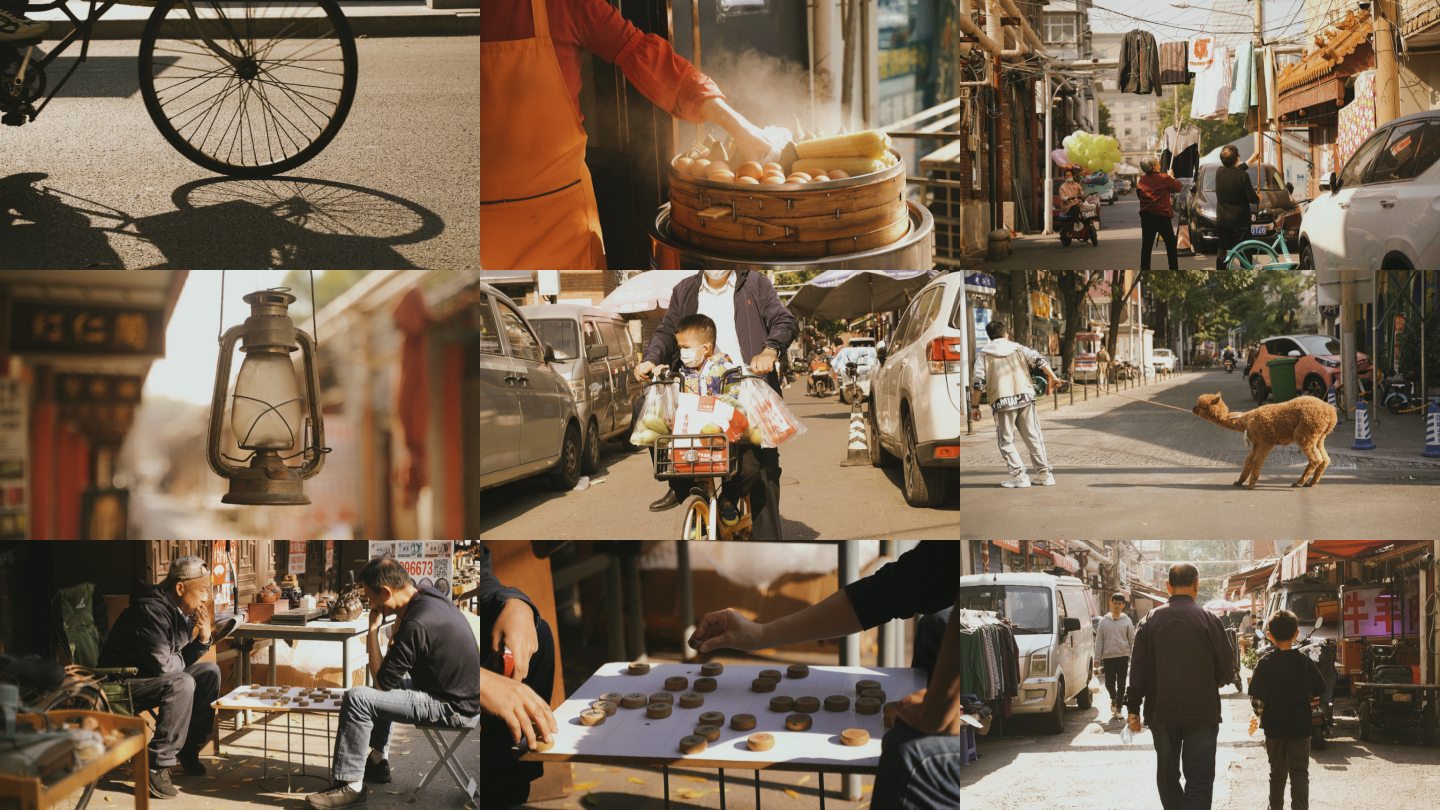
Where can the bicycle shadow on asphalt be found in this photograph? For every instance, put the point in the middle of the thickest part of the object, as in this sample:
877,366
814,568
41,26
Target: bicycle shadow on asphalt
218,223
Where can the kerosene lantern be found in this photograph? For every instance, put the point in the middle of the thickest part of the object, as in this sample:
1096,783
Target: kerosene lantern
266,407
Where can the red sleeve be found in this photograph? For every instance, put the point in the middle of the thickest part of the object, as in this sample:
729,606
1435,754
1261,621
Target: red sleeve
1175,184
648,61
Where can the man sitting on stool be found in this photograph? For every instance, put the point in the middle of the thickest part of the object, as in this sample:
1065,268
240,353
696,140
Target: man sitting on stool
434,646
153,635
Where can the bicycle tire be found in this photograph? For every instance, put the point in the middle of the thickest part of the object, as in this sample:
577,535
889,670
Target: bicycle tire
86,698
345,38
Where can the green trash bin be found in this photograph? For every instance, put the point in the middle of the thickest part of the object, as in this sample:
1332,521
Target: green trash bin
1282,378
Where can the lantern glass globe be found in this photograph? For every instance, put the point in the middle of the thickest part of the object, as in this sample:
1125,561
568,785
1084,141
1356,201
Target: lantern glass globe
266,413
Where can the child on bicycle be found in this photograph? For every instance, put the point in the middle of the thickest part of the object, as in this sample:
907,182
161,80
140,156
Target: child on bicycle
704,372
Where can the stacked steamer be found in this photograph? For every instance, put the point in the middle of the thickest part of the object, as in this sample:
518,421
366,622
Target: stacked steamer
838,195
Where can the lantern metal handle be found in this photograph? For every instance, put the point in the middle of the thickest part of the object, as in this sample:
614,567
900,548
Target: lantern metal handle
217,404
315,454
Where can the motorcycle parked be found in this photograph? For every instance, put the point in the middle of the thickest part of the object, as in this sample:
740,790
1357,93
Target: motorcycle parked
855,382
1392,708
1080,224
1400,394
1322,708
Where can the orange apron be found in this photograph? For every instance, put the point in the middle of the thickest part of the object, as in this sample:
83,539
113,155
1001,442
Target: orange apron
537,205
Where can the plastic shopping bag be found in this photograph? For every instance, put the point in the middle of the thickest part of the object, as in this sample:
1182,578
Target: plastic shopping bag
656,415
695,414
772,423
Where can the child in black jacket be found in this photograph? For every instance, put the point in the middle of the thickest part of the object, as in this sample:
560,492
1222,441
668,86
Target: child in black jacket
1285,680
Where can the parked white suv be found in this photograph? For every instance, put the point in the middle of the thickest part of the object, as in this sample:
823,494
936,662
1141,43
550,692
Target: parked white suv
1162,359
1378,213
917,392
1054,629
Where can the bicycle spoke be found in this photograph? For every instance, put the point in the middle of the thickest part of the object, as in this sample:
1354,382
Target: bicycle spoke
281,130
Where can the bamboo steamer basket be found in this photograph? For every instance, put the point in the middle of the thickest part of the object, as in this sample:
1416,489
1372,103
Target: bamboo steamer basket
790,220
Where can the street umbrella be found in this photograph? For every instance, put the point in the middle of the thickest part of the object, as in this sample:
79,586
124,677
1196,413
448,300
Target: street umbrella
645,292
1224,606
851,293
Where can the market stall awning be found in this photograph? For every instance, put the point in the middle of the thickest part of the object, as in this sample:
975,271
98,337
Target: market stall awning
645,292
1012,545
852,293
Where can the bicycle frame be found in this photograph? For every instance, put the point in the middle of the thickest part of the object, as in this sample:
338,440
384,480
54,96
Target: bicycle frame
82,31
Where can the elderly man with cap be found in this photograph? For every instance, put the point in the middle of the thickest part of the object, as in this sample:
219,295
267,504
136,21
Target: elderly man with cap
163,633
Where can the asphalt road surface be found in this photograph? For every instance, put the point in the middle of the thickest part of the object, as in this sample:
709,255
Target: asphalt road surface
1087,766
92,184
1132,469
819,499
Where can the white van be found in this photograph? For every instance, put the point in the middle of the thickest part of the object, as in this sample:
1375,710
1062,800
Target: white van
1054,631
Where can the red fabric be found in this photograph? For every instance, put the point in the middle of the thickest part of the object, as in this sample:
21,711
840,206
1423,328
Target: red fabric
1154,191
1349,548
42,475
412,394
648,61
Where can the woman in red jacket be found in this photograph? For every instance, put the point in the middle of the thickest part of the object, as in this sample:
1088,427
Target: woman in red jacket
537,206
1154,190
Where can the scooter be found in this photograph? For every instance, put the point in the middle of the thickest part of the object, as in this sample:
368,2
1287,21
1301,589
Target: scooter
1322,708
1229,364
1401,396
1079,225
822,379
855,382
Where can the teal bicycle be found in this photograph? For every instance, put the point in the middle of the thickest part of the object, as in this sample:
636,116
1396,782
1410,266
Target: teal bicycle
1249,255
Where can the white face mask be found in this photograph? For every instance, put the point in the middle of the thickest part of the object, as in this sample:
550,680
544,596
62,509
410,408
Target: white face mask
691,357
717,274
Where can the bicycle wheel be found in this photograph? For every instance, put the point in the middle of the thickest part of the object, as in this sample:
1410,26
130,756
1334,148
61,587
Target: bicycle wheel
248,90
88,699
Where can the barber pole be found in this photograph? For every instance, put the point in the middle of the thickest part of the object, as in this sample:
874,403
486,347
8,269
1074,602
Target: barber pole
1362,427
1432,431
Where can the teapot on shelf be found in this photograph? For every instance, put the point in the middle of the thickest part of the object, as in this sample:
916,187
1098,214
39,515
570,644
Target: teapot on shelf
349,605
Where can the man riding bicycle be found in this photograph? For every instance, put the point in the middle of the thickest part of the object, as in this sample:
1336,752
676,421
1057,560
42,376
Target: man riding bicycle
14,27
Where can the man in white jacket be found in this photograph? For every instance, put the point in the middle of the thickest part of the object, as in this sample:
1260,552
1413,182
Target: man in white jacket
1002,373
1114,641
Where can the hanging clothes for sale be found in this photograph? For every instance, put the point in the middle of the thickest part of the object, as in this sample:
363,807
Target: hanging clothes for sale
1201,53
1211,99
1181,155
989,656
1244,93
1140,64
1357,119
1271,105
1174,63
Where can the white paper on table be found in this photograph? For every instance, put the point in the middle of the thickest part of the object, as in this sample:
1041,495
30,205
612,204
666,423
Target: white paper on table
630,733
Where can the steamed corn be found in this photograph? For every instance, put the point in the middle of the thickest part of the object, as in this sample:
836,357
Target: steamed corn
852,166
868,144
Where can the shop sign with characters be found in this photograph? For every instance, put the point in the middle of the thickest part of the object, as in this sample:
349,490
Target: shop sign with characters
1369,612
429,563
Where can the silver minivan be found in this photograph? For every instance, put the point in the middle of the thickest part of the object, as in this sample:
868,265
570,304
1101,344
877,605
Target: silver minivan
528,422
595,355
1054,632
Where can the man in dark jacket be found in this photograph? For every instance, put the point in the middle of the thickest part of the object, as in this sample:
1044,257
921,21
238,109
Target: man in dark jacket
430,674
753,326
1182,660
154,635
515,708
1234,194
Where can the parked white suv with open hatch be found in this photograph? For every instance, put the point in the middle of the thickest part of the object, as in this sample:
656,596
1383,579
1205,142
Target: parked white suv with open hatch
1054,629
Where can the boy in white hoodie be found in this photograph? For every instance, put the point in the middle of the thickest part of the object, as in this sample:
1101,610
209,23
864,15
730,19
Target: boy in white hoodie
1002,372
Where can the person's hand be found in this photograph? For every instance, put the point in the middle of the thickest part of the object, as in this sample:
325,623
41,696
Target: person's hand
377,618
727,629
518,706
975,414
752,144
911,710
1135,724
763,362
1054,384
642,371
203,623
515,628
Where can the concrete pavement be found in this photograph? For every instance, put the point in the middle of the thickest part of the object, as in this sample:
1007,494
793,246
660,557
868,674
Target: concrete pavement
1119,246
819,499
1131,469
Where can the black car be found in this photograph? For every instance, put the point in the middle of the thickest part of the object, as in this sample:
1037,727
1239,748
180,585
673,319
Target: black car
1275,206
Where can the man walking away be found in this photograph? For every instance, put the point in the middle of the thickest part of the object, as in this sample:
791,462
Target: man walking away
1234,193
1250,355
1114,641
1002,371
1153,191
1284,682
1181,661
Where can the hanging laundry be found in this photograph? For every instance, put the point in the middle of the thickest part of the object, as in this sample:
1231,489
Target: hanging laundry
1271,104
1181,153
1174,68
1140,64
1357,119
1244,93
1201,52
1211,99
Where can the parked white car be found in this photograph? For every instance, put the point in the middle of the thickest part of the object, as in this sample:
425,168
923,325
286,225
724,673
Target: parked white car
1378,213
1055,631
1162,359
917,392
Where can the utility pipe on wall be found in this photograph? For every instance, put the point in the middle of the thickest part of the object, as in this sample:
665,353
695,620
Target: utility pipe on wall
1030,37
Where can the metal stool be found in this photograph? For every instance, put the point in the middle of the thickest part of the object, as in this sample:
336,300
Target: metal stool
435,735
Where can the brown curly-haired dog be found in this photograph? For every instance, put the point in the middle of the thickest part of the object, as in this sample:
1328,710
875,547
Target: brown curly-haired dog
1304,420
